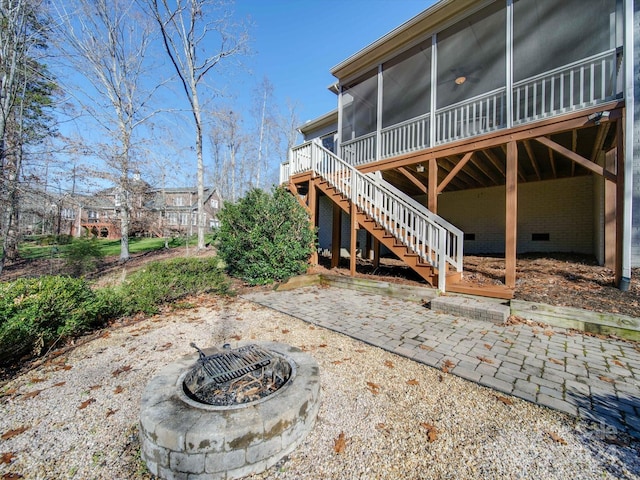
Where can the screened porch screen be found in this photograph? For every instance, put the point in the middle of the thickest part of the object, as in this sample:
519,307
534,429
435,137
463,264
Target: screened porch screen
360,107
551,33
471,56
406,85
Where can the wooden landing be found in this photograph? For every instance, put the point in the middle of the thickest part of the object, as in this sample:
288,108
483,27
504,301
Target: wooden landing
491,291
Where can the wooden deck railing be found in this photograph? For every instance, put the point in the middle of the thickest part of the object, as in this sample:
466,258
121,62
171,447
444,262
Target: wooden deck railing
421,231
571,87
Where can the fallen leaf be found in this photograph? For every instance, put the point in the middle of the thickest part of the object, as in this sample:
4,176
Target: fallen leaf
7,457
110,412
505,400
95,387
340,443
32,394
120,370
86,403
11,391
619,363
510,342
484,332
556,438
548,332
64,367
59,384
426,347
373,388
487,346
413,381
359,350
606,379
118,389
237,338
166,346
484,359
337,362
440,378
447,365
37,380
11,476
311,327
432,432
556,361
322,345
381,426
12,433
389,363
285,331
106,334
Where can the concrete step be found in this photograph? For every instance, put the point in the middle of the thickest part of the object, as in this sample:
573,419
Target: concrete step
473,308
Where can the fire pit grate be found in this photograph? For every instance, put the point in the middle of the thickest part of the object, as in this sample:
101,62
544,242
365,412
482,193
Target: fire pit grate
227,366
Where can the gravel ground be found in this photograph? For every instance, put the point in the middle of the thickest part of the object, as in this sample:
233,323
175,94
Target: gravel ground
76,416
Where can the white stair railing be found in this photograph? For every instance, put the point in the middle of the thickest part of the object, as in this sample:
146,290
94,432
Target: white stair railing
421,231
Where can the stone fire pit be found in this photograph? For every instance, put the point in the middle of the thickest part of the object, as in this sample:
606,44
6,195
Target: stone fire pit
184,438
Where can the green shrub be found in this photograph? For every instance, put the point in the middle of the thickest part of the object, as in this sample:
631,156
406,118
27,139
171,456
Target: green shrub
265,237
36,312
83,255
162,282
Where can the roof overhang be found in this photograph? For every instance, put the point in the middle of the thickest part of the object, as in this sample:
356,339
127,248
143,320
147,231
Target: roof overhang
319,122
429,21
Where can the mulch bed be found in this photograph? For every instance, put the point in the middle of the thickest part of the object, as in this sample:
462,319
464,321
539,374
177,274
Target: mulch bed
556,279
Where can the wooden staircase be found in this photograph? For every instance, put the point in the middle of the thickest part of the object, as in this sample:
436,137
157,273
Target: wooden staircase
425,270
428,244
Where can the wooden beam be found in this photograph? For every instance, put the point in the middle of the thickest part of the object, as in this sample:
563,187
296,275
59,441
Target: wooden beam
574,147
495,161
462,179
598,144
413,179
620,196
532,158
511,222
433,186
353,240
500,137
485,171
313,216
573,156
376,253
459,166
552,161
336,235
610,217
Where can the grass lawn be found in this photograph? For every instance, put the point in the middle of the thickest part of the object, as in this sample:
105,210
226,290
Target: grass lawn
33,249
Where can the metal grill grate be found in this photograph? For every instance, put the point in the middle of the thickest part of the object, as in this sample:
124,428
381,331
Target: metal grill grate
226,366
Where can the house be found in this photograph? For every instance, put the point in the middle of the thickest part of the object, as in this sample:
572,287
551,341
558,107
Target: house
501,127
175,210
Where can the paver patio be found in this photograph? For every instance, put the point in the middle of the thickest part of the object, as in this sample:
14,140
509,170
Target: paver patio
593,378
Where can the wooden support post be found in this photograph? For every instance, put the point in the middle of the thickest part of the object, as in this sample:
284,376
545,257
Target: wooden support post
336,235
353,243
620,198
376,252
511,222
433,185
313,214
610,208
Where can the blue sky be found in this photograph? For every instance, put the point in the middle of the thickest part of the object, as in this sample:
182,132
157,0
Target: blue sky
296,42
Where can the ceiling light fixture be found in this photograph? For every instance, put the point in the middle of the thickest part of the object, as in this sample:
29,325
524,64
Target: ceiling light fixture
419,168
460,80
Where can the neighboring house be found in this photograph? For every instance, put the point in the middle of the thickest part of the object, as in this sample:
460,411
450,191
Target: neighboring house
175,210
498,127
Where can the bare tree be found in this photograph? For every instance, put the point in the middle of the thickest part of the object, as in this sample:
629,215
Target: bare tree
25,94
188,27
106,42
263,113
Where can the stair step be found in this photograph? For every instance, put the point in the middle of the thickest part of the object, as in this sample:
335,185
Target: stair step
475,309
